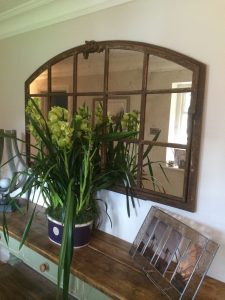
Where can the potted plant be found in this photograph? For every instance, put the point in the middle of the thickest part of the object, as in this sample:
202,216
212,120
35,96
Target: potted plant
70,161
68,165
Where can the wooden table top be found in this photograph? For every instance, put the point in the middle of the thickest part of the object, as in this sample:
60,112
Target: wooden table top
104,263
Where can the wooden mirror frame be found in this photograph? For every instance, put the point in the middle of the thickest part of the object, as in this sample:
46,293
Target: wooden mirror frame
188,201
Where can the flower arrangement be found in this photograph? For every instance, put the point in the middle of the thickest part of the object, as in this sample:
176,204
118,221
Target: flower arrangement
70,161
71,152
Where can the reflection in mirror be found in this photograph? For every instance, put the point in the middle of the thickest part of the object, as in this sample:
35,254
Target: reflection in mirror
157,114
62,75
87,101
90,72
43,105
178,119
125,70
167,113
130,152
40,84
162,88
59,100
116,105
162,73
162,175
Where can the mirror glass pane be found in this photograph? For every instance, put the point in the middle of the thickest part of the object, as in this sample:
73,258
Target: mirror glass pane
71,107
166,117
44,106
127,105
163,170
40,84
90,72
62,75
59,100
125,70
130,107
163,74
130,153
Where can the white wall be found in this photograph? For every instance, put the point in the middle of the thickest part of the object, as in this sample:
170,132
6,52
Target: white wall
194,28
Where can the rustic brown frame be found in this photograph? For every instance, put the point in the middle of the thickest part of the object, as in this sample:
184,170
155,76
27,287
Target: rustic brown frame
188,201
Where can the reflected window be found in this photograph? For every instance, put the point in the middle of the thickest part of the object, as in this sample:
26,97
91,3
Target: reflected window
178,123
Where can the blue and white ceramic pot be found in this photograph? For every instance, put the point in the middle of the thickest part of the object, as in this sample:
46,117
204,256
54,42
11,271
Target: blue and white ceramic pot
82,233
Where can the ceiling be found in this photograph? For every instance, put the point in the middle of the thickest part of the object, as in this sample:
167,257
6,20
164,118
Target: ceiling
18,16
6,5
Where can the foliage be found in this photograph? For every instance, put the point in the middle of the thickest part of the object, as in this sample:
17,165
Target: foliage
128,152
67,169
72,160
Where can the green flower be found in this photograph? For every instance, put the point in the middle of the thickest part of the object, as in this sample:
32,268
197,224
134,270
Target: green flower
30,108
130,121
60,129
82,121
64,142
57,114
62,133
99,115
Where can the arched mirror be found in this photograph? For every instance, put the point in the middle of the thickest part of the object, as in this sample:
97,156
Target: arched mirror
165,90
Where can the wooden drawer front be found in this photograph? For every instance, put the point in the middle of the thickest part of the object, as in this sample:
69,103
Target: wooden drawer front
78,288
84,291
36,261
91,293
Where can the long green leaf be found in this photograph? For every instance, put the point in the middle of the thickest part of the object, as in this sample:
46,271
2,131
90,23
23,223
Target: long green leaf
45,139
151,172
27,228
66,250
41,115
164,173
106,209
114,136
5,228
149,148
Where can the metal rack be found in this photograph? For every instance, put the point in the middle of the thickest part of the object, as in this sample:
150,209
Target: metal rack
172,255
